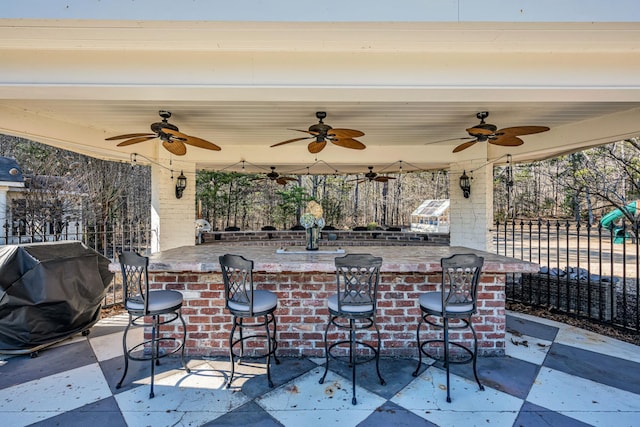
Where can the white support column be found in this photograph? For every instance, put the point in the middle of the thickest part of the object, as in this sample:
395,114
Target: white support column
472,218
172,219
3,212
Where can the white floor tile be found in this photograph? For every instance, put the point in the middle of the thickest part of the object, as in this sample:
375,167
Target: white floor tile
305,402
109,346
426,397
587,340
527,348
585,400
119,320
180,398
53,395
244,371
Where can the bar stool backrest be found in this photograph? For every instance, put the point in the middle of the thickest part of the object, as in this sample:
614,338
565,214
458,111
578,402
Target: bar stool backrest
358,276
460,278
237,273
135,278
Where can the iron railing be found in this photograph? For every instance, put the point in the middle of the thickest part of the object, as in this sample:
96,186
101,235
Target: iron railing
585,270
105,238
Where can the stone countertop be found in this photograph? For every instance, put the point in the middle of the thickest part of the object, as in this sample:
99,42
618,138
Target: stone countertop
204,258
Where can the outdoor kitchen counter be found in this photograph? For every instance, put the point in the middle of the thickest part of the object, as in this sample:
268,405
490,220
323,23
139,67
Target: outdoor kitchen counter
303,281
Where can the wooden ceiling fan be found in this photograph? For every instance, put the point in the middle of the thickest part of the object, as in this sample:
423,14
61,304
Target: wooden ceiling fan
321,132
275,176
486,132
172,139
372,176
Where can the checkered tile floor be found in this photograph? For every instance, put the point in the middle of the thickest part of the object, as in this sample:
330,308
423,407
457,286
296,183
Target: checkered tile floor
553,375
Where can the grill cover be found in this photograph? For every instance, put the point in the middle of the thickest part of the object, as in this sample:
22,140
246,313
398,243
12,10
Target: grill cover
49,291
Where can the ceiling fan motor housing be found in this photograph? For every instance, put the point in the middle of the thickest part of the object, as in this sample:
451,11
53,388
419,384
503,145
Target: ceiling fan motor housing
371,174
320,128
164,124
273,174
159,126
482,131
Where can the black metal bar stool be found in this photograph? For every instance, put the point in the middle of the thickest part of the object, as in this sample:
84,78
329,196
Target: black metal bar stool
456,300
245,302
161,306
353,308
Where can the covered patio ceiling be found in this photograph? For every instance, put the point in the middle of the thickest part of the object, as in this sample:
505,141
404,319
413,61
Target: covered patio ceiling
245,85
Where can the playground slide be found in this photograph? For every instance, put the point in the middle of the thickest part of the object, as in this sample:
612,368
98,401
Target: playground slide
609,220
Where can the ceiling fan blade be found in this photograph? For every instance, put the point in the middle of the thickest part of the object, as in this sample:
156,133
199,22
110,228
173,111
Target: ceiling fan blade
175,147
130,135
316,147
135,140
383,178
479,131
192,140
345,133
348,143
450,139
283,180
522,130
290,140
305,131
506,141
464,146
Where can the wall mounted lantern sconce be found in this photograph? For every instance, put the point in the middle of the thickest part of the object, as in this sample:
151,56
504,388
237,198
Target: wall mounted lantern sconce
465,184
181,184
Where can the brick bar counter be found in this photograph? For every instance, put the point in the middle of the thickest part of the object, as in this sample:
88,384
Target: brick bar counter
303,281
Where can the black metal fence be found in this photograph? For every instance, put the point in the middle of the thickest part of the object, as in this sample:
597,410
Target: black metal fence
105,238
587,271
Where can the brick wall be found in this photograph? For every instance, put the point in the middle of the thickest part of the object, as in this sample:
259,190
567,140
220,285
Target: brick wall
302,314
338,238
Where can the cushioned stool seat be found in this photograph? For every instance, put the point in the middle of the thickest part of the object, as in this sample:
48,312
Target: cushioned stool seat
353,308
455,301
161,306
245,302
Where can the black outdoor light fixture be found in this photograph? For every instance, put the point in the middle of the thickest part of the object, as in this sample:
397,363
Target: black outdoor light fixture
181,184
465,184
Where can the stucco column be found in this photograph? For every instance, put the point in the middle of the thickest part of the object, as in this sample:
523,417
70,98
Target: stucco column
172,219
472,218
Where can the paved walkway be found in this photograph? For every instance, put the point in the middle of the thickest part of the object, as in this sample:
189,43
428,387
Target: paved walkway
553,375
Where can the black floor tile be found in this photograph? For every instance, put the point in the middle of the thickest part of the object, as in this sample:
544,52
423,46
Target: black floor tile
104,413
249,414
598,367
21,369
535,416
541,331
391,414
397,374
288,369
507,374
